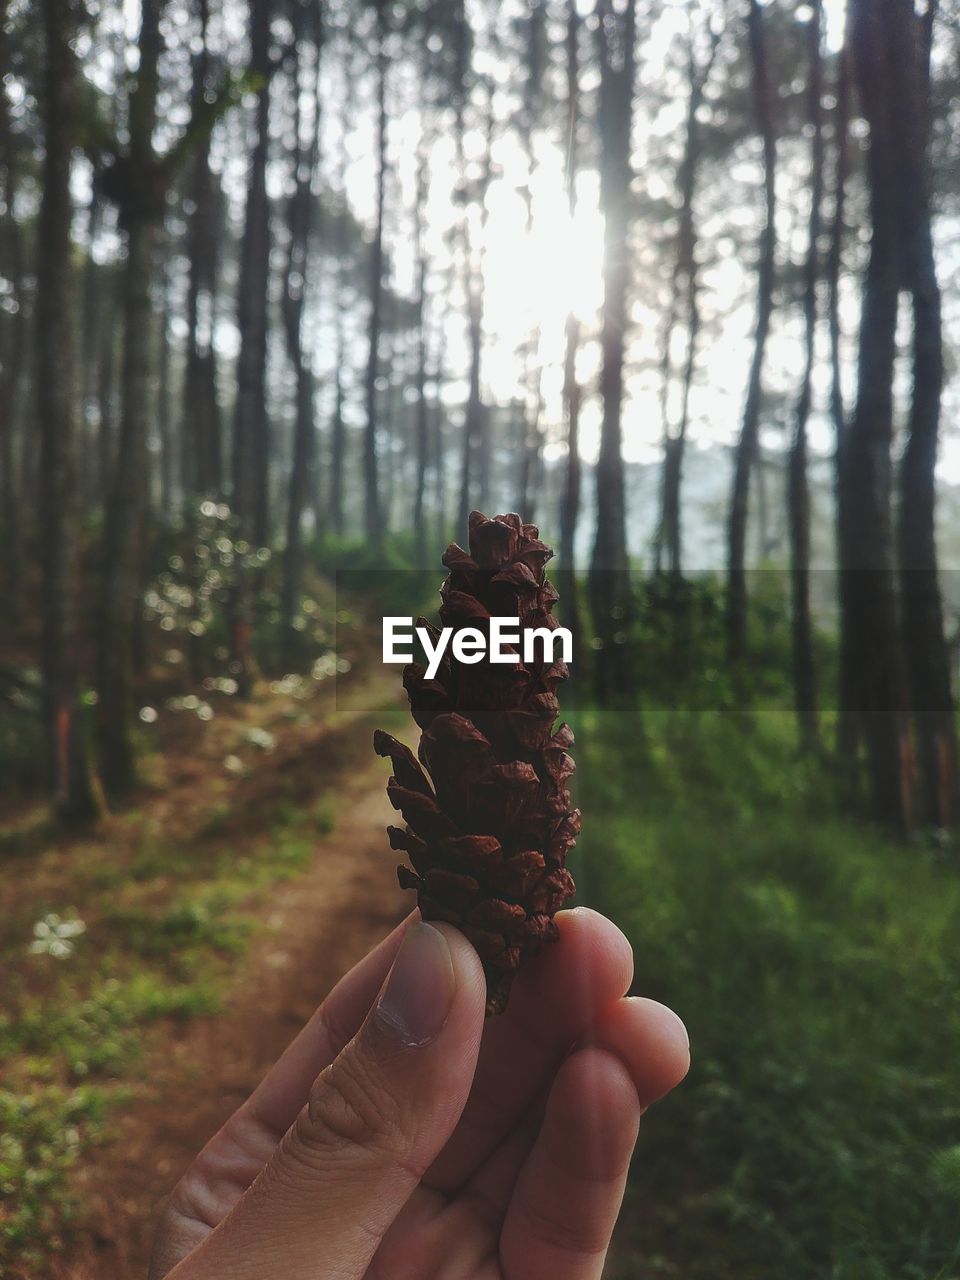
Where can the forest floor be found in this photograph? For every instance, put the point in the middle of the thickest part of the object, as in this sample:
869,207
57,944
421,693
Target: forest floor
218,911
813,958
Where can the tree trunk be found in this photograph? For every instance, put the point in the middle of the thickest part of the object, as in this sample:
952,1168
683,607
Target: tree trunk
746,454
474,430
107,390
439,423
201,426
475,462
925,646
847,728
572,395
121,531
531,459
570,498
12,353
531,404
869,596
251,426
338,435
609,572
531,441
164,411
685,290
301,220
141,208
69,774
422,409
373,507
338,430
90,350
798,494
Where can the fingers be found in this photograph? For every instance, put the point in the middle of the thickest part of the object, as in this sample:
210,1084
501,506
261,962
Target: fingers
649,1039
568,1194
232,1159
555,1000
376,1118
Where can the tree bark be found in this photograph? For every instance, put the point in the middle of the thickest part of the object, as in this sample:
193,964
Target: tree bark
746,454
925,646
474,462
301,218
165,401
107,389
798,493
572,393
474,468
251,426
566,574
373,505
439,425
422,409
12,352
201,425
531,405
56,408
338,429
869,594
609,572
139,193
847,728
531,411
685,288
90,351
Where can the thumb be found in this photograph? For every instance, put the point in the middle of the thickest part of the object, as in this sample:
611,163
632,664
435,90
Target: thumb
376,1119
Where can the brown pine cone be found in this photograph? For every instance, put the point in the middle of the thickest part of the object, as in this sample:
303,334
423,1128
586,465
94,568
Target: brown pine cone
489,830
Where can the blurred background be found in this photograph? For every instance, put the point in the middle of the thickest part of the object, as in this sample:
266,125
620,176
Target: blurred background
287,288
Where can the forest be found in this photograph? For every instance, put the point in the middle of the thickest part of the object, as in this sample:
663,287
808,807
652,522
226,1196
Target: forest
288,288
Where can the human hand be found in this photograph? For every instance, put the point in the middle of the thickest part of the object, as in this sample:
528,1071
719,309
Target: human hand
403,1137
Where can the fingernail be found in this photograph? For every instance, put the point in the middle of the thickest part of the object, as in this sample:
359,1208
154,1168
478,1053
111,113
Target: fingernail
673,1019
419,991
682,1029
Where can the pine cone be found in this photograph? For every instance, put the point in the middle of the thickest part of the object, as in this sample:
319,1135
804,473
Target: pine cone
489,830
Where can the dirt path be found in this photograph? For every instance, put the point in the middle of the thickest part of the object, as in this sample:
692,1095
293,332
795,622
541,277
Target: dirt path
196,1074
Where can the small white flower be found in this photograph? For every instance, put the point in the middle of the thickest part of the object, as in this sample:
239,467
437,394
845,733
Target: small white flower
261,739
52,936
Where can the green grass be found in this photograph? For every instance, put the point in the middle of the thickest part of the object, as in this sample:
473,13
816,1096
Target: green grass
815,964
42,1132
100,1035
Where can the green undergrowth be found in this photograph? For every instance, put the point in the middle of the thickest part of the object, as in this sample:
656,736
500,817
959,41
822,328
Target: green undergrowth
164,927
42,1132
815,964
